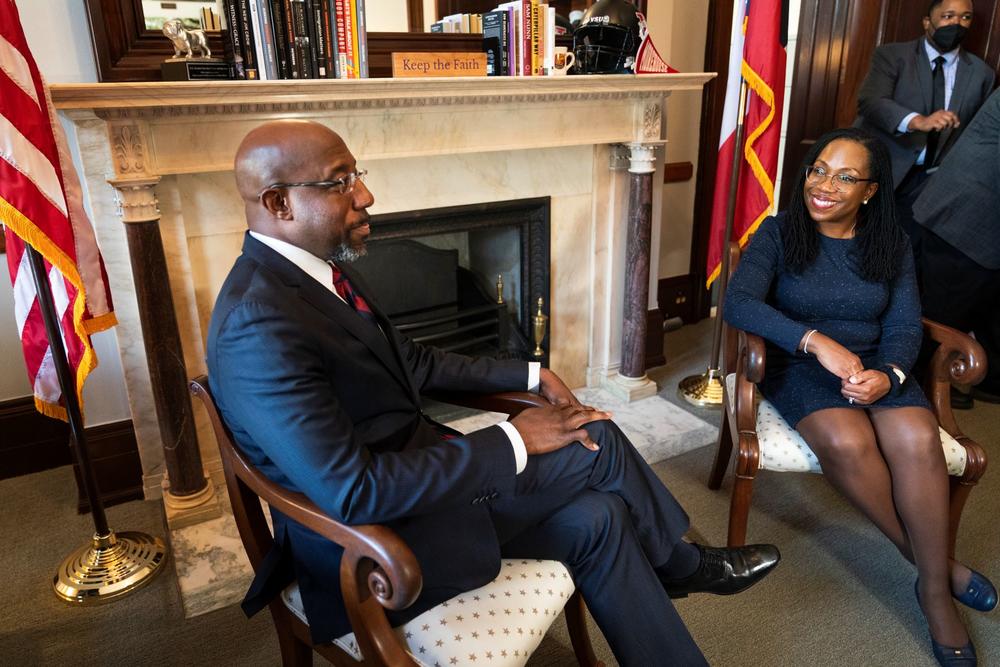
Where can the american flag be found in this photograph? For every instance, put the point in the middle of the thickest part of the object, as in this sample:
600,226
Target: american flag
41,204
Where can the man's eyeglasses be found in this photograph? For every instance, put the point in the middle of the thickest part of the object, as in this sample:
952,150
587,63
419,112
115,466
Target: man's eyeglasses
342,186
841,182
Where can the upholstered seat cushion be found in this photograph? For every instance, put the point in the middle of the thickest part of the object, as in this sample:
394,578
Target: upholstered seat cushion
500,624
783,449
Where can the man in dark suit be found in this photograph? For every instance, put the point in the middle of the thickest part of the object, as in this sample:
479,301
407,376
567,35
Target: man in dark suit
322,394
959,213
917,97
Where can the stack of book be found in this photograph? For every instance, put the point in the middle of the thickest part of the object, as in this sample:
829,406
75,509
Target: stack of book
296,39
519,37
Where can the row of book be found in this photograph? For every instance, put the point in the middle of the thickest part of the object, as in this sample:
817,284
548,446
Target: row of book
463,23
519,38
296,39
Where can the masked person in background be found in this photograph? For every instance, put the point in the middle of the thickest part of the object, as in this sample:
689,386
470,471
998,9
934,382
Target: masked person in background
919,95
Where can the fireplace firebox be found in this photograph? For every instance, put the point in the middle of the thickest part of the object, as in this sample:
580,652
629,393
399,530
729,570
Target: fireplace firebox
436,273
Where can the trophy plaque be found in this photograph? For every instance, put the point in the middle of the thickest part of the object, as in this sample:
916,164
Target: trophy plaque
185,66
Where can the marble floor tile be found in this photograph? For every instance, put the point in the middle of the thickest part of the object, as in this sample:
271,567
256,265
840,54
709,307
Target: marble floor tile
213,569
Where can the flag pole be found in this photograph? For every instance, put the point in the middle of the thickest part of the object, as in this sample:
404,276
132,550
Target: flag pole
705,390
112,565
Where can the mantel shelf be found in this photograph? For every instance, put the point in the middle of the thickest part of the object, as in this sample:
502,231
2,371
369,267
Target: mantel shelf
159,98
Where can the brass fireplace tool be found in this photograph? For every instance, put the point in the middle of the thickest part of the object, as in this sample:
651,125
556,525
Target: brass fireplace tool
539,322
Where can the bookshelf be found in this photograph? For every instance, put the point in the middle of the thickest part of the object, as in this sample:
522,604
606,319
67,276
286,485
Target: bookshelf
127,51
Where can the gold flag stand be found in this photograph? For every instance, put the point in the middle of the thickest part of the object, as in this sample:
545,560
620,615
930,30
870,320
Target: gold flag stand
705,390
111,565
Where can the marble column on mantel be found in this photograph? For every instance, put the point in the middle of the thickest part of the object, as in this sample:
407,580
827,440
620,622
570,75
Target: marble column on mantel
188,494
631,382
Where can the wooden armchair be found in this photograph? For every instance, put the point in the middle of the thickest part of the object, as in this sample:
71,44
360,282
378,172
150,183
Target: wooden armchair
378,570
764,441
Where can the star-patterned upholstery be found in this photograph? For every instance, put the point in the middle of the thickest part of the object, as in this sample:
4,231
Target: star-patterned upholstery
782,448
500,624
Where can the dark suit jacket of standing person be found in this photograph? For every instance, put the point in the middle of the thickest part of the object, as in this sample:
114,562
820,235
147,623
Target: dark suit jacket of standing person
900,82
324,403
961,204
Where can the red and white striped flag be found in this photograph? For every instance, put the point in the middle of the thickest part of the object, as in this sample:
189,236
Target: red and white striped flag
41,204
757,54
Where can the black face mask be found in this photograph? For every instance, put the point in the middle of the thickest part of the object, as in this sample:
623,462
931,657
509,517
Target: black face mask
948,38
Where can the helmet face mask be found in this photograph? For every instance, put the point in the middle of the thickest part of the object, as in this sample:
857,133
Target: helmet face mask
607,38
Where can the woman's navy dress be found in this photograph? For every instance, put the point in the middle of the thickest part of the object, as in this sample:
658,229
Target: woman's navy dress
880,322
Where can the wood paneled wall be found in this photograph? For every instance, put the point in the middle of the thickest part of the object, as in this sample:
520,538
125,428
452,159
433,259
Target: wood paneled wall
835,46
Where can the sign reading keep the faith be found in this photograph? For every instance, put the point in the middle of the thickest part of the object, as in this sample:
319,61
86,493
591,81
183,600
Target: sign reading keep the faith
438,64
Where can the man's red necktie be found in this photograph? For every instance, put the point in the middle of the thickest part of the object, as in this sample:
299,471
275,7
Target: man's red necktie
347,293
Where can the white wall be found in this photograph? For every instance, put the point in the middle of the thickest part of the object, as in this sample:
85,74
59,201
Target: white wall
386,15
59,38
679,29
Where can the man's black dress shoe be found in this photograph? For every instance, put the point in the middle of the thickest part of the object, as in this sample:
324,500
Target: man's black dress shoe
725,571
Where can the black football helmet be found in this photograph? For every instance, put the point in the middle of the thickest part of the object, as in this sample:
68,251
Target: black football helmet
607,38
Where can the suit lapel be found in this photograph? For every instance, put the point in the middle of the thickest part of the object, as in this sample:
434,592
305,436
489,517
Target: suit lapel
925,76
390,333
327,303
332,307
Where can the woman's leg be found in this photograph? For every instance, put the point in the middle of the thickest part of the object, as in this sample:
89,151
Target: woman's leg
843,440
911,445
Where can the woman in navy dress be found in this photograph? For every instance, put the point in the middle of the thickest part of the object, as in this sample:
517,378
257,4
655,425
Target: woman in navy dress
830,286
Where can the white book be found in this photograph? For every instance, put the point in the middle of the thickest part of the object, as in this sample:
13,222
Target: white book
550,39
258,42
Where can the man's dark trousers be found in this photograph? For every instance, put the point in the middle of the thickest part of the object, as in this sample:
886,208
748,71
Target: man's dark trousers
608,517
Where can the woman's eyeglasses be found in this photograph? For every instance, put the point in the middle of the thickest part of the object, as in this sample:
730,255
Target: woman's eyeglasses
342,186
841,182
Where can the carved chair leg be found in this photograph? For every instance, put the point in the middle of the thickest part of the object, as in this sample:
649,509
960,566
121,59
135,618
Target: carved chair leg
722,455
959,494
294,652
739,509
576,623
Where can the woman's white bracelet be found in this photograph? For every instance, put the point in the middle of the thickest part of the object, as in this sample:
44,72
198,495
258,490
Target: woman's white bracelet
805,344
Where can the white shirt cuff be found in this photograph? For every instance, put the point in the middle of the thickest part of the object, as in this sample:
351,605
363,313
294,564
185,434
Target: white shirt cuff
904,126
534,370
517,443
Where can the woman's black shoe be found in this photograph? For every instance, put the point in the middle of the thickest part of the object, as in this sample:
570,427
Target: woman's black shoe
949,656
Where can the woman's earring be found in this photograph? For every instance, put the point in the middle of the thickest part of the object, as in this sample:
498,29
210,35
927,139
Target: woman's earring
865,202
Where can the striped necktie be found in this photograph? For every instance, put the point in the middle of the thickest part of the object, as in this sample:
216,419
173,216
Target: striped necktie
347,293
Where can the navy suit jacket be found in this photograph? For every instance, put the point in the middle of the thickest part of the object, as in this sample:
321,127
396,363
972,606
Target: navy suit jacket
325,404
900,82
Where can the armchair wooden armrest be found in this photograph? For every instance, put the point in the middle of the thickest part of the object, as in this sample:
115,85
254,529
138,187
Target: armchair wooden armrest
378,570
962,360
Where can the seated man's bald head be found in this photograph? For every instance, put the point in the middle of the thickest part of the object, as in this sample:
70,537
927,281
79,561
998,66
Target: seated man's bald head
280,151
318,201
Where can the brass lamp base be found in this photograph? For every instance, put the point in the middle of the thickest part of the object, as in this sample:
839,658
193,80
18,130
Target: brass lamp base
110,567
703,390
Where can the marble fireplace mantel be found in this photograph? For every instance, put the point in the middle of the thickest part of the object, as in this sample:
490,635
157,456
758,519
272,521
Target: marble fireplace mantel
163,152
